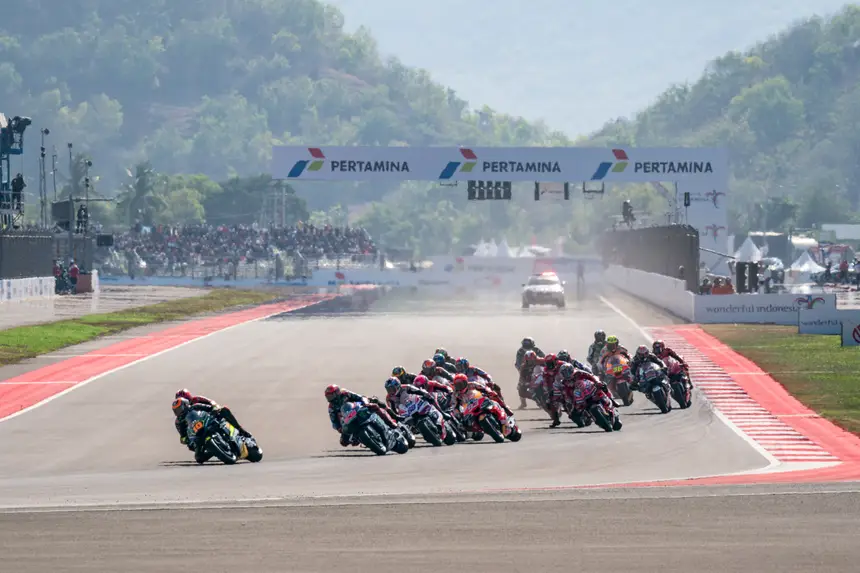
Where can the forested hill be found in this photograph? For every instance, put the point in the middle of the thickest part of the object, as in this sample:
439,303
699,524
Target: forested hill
207,86
788,110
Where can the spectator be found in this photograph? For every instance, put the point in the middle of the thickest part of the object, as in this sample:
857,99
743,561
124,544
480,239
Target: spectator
74,271
176,248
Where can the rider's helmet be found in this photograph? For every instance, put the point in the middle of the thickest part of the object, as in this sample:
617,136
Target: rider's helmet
642,351
612,343
658,347
180,407
599,336
428,368
421,381
392,386
530,357
462,364
398,372
567,371
460,381
528,343
439,359
564,356
444,353
550,361
184,393
332,391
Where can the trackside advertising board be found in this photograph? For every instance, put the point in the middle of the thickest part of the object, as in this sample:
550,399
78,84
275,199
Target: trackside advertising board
851,333
547,164
824,320
757,308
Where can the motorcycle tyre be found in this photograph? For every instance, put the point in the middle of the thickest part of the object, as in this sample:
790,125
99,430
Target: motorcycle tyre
219,447
428,432
516,435
679,393
477,436
370,438
450,434
661,400
491,427
624,392
600,418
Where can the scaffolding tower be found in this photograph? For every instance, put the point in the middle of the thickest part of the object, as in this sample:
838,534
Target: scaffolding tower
11,143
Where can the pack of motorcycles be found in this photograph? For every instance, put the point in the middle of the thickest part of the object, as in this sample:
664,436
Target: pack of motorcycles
479,417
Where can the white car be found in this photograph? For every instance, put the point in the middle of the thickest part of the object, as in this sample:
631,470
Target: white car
545,288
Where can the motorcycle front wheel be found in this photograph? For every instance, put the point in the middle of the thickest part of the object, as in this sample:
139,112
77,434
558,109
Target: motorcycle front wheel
369,436
221,449
490,425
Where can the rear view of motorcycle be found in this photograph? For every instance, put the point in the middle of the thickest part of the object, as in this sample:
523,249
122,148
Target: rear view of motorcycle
681,387
360,421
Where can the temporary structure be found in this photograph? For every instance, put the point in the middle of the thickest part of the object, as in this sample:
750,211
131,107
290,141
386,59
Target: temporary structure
748,253
803,268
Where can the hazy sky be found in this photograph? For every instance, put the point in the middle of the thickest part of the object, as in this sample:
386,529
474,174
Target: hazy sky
573,63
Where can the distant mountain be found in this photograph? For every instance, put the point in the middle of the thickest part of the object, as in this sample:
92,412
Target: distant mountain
574,64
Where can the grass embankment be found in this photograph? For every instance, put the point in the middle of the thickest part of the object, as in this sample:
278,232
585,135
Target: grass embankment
817,370
23,342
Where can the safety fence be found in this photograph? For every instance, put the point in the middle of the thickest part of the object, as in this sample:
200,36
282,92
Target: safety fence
662,250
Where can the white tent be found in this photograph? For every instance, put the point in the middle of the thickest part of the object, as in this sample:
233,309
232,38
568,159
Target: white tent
525,252
748,253
492,248
482,250
505,250
803,268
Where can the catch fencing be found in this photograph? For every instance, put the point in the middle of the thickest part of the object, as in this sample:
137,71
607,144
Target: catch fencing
26,254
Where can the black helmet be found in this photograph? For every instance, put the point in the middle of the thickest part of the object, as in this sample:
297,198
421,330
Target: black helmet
528,343
443,352
599,336
563,356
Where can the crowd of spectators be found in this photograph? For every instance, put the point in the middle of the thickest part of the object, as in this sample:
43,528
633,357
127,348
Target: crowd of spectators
168,248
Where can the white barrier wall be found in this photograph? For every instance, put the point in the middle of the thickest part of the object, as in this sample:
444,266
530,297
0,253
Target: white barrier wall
666,292
34,288
825,320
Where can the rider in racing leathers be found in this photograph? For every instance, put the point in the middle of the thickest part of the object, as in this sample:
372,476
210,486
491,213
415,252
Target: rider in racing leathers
611,348
527,368
181,407
564,356
527,345
464,367
663,352
431,371
596,350
401,374
218,410
397,392
338,396
550,364
643,356
462,384
431,386
443,362
568,378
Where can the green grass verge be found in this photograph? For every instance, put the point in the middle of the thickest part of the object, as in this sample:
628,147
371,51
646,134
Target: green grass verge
23,342
817,370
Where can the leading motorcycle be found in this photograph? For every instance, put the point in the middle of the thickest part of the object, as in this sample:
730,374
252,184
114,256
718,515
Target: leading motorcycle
484,415
213,436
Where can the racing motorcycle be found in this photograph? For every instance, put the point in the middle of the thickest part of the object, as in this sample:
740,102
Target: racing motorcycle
362,423
590,401
421,416
653,380
681,389
213,436
452,415
480,414
618,377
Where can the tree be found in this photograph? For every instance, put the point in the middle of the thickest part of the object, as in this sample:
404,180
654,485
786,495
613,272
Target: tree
142,197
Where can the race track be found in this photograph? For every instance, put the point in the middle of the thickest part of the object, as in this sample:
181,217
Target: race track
112,442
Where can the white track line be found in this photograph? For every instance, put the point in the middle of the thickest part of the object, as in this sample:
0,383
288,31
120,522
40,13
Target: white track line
138,361
773,463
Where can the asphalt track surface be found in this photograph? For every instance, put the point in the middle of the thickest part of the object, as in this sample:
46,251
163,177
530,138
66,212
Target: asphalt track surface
70,464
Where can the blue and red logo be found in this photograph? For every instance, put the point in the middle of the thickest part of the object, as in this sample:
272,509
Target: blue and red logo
618,166
809,301
460,166
314,164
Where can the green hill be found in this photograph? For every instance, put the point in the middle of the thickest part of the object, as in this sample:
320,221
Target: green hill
207,86
789,112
